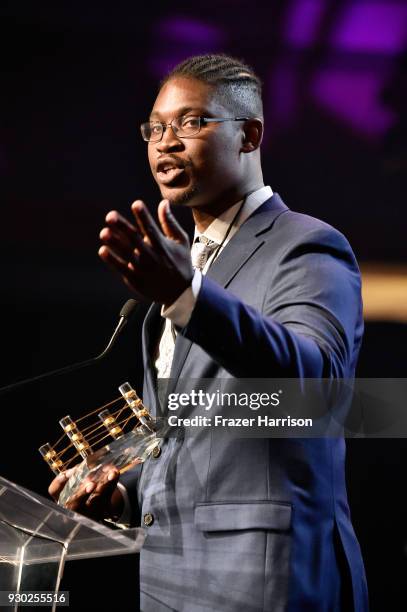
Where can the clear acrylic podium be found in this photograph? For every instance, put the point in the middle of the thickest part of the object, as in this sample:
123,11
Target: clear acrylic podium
37,536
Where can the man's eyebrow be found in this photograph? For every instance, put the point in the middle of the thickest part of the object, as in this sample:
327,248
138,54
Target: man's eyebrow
199,111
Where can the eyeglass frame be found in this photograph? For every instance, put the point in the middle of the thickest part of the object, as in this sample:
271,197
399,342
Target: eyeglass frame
201,119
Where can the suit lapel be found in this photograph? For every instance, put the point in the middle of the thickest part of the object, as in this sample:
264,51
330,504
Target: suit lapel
232,258
181,351
246,241
152,327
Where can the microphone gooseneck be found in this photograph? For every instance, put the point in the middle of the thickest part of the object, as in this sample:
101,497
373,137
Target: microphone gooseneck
126,312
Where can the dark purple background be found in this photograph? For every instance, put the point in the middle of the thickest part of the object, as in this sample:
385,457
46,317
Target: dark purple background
79,78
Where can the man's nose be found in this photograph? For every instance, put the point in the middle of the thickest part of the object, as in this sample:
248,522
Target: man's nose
169,141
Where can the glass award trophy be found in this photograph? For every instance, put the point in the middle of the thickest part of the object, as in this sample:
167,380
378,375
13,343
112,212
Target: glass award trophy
117,434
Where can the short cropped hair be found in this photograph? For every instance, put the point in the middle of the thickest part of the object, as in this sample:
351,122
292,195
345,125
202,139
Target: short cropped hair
235,83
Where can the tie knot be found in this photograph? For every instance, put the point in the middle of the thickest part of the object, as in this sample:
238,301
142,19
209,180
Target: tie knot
203,239
202,248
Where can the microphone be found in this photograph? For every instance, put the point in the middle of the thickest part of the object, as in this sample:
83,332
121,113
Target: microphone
125,314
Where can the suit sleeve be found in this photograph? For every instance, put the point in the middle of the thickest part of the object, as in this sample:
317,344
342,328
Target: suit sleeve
309,321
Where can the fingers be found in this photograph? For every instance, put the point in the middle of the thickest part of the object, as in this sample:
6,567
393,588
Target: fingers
127,270
120,224
117,242
146,255
123,238
114,261
169,224
59,482
93,498
147,226
101,492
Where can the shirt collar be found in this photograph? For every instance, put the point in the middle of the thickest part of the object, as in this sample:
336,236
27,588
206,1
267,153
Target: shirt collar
216,231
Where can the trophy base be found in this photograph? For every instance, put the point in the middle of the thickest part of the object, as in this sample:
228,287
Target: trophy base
123,454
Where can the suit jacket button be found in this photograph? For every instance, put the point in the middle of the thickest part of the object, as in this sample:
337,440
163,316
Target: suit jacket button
156,452
148,519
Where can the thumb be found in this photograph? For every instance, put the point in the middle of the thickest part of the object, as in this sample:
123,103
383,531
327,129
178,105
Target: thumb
169,224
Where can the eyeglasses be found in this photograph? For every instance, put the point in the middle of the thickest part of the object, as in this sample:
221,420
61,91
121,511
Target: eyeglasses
183,127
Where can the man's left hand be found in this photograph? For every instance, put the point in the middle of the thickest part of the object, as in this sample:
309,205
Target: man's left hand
155,264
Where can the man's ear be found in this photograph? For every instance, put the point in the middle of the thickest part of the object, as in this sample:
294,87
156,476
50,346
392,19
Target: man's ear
252,135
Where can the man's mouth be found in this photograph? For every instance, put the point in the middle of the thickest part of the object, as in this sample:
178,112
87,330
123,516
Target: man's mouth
169,172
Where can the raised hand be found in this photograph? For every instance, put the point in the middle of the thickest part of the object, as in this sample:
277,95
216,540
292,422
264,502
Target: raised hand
154,263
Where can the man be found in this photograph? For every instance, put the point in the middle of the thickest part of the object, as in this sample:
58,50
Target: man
251,524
